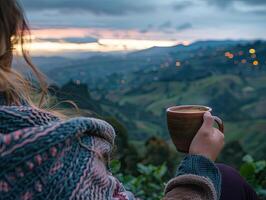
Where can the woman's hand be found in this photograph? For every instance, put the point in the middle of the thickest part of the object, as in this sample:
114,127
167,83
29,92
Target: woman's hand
209,141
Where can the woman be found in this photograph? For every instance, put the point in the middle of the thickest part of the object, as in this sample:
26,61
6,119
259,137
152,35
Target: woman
46,157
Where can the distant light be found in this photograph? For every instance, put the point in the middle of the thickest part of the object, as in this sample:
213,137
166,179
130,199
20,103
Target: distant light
226,54
78,82
241,53
229,55
243,61
178,64
252,51
255,62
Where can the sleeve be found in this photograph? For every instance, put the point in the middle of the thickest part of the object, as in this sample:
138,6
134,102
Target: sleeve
197,178
61,159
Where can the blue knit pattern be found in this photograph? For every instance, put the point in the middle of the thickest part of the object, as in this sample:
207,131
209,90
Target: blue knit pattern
42,157
201,166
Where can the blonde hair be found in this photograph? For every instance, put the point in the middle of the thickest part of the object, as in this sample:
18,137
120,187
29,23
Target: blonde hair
15,32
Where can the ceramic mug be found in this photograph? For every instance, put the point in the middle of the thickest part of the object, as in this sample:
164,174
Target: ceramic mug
185,121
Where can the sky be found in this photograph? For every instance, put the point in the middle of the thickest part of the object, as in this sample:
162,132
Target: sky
117,25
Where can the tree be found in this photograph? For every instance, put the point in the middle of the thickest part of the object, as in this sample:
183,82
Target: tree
159,152
232,154
124,151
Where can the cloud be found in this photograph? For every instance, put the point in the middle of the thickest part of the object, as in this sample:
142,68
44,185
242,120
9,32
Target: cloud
182,5
147,29
166,25
109,7
184,26
226,3
77,40
81,40
255,7
261,12
253,2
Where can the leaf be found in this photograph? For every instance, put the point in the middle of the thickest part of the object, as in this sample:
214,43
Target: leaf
115,166
261,192
247,170
162,171
154,186
260,166
248,159
143,169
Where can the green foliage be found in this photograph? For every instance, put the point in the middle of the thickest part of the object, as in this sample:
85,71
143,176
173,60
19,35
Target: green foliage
255,173
150,181
78,93
148,185
158,151
155,151
124,151
115,166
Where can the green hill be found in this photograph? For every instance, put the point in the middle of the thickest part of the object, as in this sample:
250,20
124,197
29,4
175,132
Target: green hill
137,88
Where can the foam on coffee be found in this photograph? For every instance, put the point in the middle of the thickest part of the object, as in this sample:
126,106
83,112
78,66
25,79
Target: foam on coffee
191,109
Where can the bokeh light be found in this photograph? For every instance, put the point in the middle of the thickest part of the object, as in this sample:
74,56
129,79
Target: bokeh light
252,51
255,63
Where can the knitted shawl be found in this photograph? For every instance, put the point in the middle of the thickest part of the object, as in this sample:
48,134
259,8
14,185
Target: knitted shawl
42,157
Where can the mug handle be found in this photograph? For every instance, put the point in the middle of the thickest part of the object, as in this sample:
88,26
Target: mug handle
219,123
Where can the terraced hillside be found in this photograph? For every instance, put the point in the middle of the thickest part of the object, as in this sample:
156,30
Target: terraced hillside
137,88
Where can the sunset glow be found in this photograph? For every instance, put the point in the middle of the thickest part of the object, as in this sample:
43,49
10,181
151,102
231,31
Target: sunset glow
103,33
103,45
55,41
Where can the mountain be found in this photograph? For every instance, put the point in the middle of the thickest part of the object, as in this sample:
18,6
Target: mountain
218,43
234,87
91,69
162,51
137,88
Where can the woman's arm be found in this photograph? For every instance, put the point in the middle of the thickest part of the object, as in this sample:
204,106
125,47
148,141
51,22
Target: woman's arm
197,176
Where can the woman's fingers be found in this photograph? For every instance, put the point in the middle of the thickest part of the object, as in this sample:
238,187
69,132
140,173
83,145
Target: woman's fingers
219,136
208,120
209,141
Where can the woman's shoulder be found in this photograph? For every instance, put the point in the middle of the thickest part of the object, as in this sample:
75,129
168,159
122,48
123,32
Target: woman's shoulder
19,117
